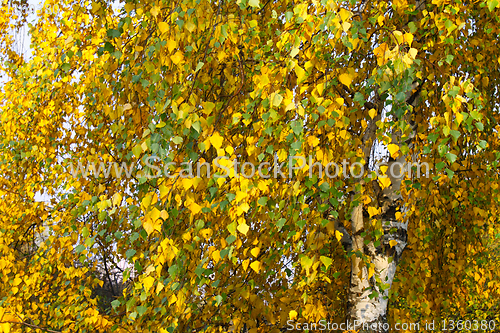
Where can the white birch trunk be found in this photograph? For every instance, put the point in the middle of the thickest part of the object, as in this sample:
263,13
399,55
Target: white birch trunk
369,287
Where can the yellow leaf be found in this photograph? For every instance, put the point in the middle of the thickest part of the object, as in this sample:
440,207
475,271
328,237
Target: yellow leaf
346,26
384,181
372,113
380,20
320,87
5,327
290,106
313,141
306,262
146,202
301,111
117,199
408,37
277,99
264,81
292,315
154,214
171,45
254,3
459,117
194,208
345,79
255,266
243,208
373,211
172,299
380,53
163,26
255,251
190,26
245,264
216,140
413,52
17,281
300,73
177,57
216,256
393,242
187,183
398,35
148,282
159,287
344,14
144,146
243,228
240,195
149,269
393,149
151,225
371,271
155,11
206,233
338,235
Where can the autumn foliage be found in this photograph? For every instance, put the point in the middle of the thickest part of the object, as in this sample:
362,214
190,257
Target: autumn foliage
198,82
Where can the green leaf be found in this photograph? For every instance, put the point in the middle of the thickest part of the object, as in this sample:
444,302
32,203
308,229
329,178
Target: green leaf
142,310
79,248
130,253
230,239
440,165
199,66
324,187
326,261
66,67
115,303
85,232
413,27
137,150
455,134
492,5
433,137
89,242
113,33
177,140
451,157
199,270
280,223
262,201
297,127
